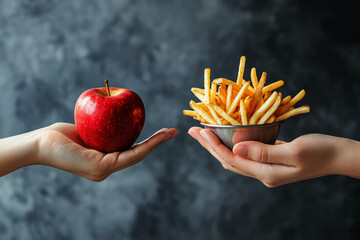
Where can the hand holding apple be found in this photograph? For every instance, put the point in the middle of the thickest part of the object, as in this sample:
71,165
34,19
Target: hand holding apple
109,119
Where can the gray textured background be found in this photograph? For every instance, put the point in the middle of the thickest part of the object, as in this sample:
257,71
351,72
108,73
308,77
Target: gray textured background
51,51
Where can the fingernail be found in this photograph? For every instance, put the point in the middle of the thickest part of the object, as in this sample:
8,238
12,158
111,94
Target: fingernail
191,133
204,135
241,151
167,137
194,134
174,133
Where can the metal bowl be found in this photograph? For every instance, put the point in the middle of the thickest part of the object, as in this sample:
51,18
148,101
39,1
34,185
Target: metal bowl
230,135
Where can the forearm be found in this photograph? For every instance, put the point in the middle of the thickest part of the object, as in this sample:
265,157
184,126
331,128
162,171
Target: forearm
348,158
18,151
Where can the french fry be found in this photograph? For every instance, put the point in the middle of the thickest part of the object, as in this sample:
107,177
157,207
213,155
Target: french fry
293,112
236,101
247,103
241,70
203,106
292,102
198,90
201,119
234,115
251,89
233,84
214,114
297,98
223,114
218,100
189,113
222,92
254,79
266,95
271,119
285,100
226,82
243,113
226,122
213,92
200,96
270,111
207,85
258,91
272,86
233,95
263,108
207,117
260,102
229,97
242,102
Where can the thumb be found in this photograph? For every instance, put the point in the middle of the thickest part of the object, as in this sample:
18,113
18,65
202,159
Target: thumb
265,153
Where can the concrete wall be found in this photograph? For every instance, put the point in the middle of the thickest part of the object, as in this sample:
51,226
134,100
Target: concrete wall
51,51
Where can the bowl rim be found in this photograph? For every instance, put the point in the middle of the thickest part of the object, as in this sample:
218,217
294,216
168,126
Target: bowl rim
242,126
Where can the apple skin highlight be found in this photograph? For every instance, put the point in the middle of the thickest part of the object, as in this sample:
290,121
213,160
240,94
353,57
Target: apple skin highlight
109,123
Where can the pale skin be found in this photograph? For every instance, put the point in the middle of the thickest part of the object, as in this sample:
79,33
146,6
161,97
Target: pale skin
60,146
308,156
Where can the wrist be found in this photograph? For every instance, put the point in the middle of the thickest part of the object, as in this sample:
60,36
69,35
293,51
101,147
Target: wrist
18,151
31,148
347,158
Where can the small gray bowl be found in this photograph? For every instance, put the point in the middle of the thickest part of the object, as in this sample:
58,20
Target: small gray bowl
230,135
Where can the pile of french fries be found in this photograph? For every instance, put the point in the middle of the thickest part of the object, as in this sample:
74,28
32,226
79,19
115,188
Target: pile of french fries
224,102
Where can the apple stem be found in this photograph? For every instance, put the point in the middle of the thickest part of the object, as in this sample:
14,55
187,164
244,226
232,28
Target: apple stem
107,87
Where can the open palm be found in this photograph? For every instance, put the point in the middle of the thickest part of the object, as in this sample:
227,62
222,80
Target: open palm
60,146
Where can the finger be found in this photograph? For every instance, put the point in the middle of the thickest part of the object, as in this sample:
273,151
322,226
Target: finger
69,130
64,128
136,154
270,174
265,153
274,175
247,167
195,133
159,131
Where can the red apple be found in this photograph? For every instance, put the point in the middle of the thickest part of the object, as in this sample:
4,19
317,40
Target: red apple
109,119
